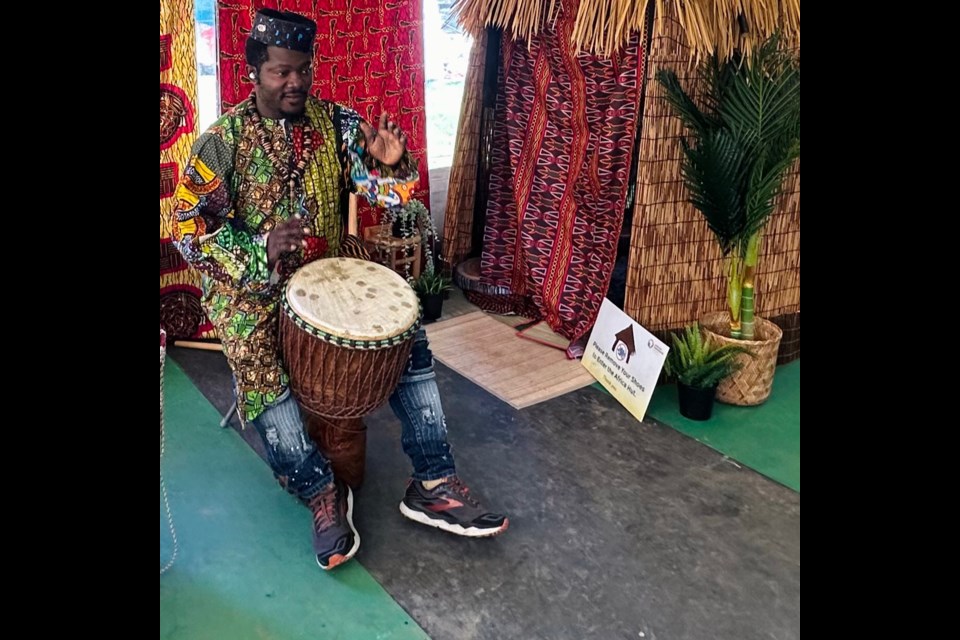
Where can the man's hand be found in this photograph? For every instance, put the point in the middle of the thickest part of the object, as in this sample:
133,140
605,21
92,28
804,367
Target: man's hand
387,143
285,237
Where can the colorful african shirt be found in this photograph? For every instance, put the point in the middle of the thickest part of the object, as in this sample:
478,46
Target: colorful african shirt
230,197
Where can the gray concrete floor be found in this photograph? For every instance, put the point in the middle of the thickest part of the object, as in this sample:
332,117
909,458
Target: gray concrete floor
619,529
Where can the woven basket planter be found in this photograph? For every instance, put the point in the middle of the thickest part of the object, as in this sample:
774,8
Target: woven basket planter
752,384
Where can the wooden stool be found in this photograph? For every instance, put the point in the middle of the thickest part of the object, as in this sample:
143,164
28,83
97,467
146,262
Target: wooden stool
395,253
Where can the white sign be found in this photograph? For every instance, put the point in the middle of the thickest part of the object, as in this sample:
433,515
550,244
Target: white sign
625,358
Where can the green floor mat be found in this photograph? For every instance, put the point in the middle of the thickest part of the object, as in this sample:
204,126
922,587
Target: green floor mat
245,567
765,438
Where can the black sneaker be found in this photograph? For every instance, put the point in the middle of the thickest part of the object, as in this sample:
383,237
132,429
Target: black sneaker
449,506
335,539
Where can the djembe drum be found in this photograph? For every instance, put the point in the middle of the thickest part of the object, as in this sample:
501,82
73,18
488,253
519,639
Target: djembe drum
347,328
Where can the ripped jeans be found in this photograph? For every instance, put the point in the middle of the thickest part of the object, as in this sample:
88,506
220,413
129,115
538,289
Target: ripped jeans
304,471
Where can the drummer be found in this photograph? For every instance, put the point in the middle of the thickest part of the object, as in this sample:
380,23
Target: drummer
261,195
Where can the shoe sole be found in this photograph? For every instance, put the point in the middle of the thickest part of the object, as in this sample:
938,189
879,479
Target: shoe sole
456,529
338,559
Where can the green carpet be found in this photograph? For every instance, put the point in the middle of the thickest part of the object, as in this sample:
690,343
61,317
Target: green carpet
245,567
765,438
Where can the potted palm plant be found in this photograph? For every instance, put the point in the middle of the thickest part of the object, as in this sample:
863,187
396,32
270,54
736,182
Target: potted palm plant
743,140
699,367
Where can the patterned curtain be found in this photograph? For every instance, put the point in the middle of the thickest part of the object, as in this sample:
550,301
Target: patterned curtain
563,137
180,311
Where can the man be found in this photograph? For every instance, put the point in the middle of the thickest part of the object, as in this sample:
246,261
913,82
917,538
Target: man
261,196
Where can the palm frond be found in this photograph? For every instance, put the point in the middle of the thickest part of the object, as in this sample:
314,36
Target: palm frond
698,121
762,104
714,172
742,141
765,183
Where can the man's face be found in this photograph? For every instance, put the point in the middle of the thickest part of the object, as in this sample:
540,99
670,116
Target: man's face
283,83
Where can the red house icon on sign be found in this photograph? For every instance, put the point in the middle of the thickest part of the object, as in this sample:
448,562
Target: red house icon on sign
623,345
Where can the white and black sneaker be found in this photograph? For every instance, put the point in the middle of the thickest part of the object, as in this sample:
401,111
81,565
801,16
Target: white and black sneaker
449,506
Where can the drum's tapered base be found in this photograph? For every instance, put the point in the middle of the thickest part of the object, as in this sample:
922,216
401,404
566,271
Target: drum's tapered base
343,442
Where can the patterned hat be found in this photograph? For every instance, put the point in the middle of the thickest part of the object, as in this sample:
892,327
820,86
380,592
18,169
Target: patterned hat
284,29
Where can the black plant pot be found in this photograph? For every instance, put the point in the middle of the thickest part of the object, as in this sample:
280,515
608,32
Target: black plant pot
432,306
696,404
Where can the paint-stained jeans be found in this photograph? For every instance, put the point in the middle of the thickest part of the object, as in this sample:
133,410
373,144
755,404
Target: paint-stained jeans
304,471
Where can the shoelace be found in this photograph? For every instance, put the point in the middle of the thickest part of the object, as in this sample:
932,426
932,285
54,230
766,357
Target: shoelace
324,508
464,491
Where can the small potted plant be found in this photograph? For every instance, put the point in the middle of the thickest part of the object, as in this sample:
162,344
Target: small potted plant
699,366
430,286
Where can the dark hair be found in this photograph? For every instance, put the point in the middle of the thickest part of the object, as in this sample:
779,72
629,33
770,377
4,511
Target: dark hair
256,53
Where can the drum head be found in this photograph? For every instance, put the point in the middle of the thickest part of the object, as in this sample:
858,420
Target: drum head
353,299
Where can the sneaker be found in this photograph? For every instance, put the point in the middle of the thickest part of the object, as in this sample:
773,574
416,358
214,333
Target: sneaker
335,539
449,506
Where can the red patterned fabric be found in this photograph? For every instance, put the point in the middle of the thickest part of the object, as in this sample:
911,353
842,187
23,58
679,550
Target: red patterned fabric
563,139
369,57
180,312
